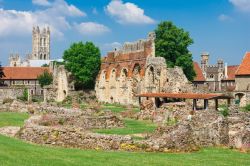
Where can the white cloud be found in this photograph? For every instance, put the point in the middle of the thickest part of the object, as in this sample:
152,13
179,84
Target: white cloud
224,17
41,2
112,46
20,23
127,13
91,28
243,5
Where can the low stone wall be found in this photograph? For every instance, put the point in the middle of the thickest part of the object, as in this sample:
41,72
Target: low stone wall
69,136
205,129
12,93
168,111
239,129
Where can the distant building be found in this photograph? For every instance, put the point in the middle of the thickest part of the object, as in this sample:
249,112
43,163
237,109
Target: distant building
24,76
218,77
40,50
242,79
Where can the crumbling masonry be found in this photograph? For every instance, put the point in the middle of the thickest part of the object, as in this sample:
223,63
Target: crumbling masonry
134,69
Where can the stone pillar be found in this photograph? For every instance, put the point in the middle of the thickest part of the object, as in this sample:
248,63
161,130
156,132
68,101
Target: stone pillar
45,95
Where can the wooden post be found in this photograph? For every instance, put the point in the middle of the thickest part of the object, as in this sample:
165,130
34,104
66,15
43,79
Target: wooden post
205,104
228,102
194,104
216,104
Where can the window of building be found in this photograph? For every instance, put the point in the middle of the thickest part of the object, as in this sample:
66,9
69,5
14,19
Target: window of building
41,92
211,76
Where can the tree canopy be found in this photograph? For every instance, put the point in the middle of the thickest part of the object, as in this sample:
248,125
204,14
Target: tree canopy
45,79
83,61
172,43
1,71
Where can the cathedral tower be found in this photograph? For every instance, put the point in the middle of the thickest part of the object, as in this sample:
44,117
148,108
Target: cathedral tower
40,44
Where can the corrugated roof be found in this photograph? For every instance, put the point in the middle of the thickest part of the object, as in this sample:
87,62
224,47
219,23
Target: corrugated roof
199,76
23,73
244,68
186,95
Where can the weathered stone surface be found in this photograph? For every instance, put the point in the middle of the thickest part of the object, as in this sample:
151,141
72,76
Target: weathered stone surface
10,131
69,136
205,129
239,130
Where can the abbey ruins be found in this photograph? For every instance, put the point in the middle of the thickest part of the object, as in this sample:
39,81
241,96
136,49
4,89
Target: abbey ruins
135,69
187,114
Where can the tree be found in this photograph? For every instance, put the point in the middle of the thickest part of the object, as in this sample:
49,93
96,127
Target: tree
1,74
45,65
83,61
172,43
45,79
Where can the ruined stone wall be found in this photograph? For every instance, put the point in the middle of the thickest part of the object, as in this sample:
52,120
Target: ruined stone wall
12,93
135,70
122,72
60,88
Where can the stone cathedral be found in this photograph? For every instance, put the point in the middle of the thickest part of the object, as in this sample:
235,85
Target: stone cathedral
40,49
40,44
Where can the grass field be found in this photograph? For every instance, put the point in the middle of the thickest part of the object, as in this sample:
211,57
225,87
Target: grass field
131,127
12,118
17,153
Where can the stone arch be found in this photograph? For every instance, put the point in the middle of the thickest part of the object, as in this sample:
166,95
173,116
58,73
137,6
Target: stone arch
150,79
211,76
113,74
41,56
102,77
240,98
124,73
112,78
136,69
112,86
44,56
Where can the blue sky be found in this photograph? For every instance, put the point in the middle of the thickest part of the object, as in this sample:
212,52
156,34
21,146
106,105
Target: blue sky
220,27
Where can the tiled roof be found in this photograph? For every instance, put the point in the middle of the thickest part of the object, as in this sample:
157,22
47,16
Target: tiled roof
186,95
231,70
23,73
199,76
244,68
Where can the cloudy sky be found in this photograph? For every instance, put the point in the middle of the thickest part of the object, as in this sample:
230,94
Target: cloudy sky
220,27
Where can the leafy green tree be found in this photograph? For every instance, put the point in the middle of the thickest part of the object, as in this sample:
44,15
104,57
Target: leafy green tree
172,43
1,74
45,79
83,61
45,65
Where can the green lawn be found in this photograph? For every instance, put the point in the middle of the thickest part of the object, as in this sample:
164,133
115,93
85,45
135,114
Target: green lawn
131,127
12,118
17,153
113,107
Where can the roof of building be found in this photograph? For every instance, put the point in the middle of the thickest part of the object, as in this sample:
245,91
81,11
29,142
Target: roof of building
23,73
244,68
231,70
186,95
199,76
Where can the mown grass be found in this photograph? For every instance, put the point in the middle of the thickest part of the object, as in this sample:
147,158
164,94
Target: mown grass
113,107
12,118
15,152
131,127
